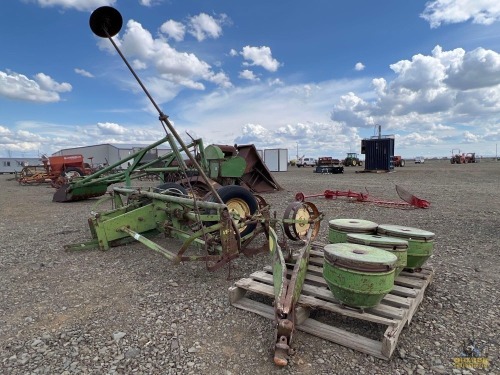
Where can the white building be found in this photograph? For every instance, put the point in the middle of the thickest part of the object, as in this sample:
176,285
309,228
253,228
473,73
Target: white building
13,165
108,154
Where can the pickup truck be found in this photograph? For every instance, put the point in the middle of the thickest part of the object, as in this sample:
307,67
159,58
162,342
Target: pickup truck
306,162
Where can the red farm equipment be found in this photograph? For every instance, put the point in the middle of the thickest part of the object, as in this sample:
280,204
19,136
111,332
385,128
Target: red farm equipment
55,170
471,158
398,161
457,158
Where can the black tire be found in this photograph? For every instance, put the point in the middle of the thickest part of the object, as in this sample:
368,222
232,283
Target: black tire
402,163
71,172
171,188
237,194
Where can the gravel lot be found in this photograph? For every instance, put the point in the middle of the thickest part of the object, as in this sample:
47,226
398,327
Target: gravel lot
130,311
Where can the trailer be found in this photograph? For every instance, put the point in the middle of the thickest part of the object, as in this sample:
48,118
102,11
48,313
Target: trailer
15,165
329,165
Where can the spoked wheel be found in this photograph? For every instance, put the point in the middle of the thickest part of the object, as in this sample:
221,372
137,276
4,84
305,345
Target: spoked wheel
305,212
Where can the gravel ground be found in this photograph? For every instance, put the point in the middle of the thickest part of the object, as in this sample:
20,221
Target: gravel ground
130,311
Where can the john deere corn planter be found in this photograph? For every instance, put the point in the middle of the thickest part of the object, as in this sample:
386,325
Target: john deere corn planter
216,228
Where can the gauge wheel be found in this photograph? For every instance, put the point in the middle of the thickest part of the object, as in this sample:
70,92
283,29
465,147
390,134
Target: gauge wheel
240,202
171,188
301,211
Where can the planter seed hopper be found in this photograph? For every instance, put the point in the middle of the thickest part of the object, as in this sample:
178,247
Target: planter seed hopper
214,229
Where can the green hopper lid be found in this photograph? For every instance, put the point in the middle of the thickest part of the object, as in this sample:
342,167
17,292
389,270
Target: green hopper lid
405,232
359,257
353,225
377,240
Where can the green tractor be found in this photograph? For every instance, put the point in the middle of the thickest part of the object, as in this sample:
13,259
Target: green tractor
352,160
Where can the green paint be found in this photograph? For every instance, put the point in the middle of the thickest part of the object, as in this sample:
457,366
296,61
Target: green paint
358,275
336,236
358,289
418,253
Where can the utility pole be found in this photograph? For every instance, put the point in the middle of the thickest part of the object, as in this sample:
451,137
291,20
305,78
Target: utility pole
297,150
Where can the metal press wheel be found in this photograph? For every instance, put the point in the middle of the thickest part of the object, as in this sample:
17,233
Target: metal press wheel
304,211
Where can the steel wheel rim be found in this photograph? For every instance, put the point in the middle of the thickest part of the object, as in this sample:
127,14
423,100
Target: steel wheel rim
238,207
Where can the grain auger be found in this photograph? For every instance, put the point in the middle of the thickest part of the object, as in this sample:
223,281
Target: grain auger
214,229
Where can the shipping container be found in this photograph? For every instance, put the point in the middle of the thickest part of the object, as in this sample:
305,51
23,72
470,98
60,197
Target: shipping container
276,160
379,153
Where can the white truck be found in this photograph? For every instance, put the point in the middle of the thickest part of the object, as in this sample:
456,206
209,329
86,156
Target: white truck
306,162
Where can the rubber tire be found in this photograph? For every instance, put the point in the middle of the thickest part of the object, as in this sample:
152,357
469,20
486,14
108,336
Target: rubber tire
175,189
229,192
354,162
72,169
402,163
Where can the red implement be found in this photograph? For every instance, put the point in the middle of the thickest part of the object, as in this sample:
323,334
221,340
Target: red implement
410,201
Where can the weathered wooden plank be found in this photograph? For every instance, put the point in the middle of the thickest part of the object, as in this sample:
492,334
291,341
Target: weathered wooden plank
342,337
256,307
403,291
409,282
395,311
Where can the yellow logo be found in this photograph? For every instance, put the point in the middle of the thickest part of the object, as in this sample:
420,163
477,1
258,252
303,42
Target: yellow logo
471,356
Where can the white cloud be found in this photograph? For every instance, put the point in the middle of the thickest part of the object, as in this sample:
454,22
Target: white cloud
205,26
438,12
274,82
173,29
430,89
83,5
359,66
175,70
149,3
313,139
4,131
476,69
470,138
249,75
84,73
42,89
111,128
233,52
260,56
46,82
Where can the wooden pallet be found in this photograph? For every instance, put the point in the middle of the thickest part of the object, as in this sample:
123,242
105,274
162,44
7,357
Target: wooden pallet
395,311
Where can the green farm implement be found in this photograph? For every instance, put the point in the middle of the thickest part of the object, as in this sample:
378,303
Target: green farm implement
206,204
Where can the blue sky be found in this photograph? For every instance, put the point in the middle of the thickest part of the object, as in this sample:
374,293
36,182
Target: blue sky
320,75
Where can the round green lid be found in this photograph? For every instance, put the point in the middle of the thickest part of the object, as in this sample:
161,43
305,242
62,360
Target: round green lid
406,232
377,240
353,225
358,255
